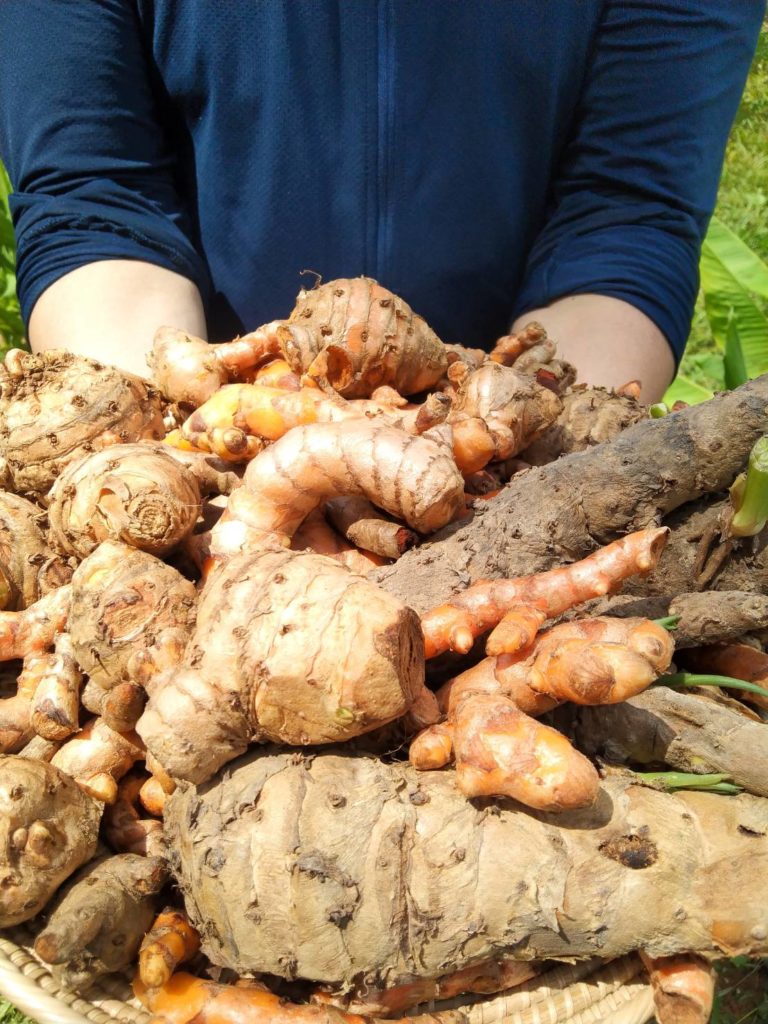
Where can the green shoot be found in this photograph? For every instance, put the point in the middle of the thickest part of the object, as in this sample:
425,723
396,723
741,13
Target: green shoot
749,494
713,783
692,679
658,410
669,622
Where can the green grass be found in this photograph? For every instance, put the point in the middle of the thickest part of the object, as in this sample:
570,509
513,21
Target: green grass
742,992
742,204
10,1015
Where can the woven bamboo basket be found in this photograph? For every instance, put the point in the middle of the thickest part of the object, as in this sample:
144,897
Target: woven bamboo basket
592,992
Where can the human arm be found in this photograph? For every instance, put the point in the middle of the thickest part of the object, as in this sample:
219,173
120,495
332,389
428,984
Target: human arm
110,309
104,242
587,327
636,185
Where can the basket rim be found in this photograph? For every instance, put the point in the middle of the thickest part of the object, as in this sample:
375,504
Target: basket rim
592,992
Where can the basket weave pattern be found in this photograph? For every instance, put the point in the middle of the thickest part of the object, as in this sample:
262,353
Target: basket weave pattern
583,993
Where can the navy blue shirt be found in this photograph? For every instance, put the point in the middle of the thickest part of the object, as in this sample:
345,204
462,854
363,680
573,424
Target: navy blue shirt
479,157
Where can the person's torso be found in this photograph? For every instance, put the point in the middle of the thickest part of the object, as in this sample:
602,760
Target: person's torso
412,141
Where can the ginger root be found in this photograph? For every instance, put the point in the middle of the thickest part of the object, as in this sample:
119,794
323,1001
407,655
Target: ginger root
56,406
16,711
32,631
122,601
315,655
118,604
55,706
146,495
48,828
310,905
28,567
98,922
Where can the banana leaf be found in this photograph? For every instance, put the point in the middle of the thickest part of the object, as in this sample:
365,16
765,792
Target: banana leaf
682,389
731,276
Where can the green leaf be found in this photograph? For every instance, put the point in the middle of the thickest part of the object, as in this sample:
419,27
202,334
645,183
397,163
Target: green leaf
733,359
7,241
707,365
11,326
684,390
736,256
730,274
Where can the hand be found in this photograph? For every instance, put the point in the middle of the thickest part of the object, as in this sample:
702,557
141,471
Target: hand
110,311
609,342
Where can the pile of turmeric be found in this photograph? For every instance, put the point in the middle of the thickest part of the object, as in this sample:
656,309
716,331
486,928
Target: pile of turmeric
303,619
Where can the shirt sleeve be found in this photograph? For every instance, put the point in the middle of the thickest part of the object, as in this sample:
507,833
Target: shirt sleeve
638,178
93,177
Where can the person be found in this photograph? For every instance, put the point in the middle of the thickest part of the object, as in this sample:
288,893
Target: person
492,161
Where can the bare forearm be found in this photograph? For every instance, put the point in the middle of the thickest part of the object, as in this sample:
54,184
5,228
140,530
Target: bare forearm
609,342
110,311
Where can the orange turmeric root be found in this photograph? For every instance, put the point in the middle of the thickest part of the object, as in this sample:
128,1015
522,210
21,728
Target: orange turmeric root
601,660
359,336
32,630
185,368
736,660
124,829
98,757
16,711
278,374
502,751
56,703
412,477
508,348
517,629
170,941
456,624
153,795
354,334
236,421
188,370
184,999
541,354
433,747
683,988
483,978
496,413
365,527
